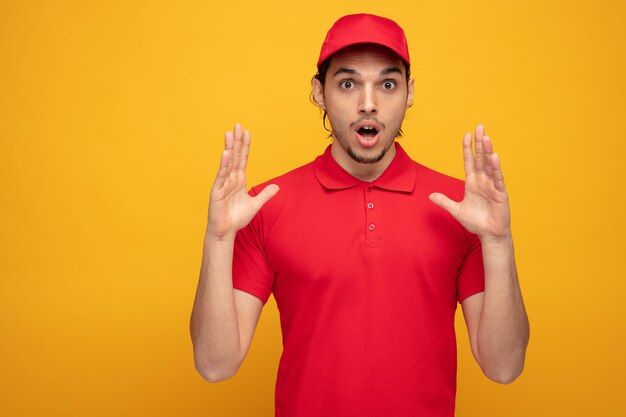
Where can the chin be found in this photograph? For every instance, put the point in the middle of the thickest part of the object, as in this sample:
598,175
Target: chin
369,156
366,159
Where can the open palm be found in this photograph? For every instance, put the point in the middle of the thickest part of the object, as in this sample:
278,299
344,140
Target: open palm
484,209
231,207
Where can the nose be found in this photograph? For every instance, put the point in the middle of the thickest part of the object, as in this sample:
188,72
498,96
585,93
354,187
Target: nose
367,104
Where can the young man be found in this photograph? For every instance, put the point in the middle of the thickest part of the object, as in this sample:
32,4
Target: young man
366,251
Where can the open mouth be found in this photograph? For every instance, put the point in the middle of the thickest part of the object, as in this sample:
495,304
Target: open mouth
367,132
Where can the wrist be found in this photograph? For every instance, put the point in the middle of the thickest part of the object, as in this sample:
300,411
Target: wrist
219,238
504,240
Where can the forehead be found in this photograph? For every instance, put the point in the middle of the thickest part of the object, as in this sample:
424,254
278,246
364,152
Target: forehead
366,56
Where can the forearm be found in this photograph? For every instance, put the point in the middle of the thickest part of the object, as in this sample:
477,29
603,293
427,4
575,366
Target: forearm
503,330
214,326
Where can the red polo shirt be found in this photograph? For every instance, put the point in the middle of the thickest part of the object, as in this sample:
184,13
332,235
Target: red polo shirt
366,276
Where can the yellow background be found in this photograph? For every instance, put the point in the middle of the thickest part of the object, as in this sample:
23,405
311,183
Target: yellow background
112,116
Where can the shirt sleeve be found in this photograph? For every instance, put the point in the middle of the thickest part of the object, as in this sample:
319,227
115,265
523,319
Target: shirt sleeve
471,277
251,270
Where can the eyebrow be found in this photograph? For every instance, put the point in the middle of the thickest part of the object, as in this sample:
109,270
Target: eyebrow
350,71
391,70
343,70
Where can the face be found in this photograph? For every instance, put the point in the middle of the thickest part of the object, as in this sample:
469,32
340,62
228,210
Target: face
365,96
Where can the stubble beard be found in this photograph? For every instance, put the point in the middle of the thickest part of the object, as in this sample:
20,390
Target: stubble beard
360,158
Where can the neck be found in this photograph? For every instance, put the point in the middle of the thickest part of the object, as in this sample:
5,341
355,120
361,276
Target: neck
364,172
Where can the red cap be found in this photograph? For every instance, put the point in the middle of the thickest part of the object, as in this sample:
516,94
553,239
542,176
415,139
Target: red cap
364,28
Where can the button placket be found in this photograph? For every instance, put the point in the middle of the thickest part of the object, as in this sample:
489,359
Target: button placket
372,234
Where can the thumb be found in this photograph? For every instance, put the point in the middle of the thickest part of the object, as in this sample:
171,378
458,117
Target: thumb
265,195
445,203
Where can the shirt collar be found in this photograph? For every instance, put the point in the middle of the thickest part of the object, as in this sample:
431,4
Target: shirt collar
400,175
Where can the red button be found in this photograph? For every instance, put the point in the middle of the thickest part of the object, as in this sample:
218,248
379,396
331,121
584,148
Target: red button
372,226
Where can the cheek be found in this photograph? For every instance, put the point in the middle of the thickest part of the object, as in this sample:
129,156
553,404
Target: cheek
336,122
337,113
399,109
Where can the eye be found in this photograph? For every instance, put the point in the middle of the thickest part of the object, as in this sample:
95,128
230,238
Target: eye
346,84
389,85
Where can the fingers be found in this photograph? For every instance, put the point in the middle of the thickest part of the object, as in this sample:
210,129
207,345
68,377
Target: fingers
468,155
487,154
478,147
222,172
445,203
481,161
229,141
230,155
265,195
492,164
240,148
226,161
498,178
245,151
487,145
238,134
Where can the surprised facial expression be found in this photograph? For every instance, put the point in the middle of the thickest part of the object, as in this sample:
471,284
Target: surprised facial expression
365,96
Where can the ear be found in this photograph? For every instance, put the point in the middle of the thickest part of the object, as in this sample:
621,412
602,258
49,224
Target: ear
409,96
318,93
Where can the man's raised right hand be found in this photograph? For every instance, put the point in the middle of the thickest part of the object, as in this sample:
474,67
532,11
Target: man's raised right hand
231,207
